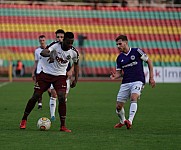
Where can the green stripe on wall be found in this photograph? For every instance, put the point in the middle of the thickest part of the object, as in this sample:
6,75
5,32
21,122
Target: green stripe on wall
100,64
27,63
97,43
97,64
91,14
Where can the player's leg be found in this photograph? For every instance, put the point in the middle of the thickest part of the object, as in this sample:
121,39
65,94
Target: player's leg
68,89
121,114
49,91
136,89
29,107
122,97
40,103
60,87
40,99
39,88
53,103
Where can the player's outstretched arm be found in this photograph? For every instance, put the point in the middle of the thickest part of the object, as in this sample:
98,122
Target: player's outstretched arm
151,78
34,69
76,71
115,75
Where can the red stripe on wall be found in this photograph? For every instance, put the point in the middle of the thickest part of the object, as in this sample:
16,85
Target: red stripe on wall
100,7
92,36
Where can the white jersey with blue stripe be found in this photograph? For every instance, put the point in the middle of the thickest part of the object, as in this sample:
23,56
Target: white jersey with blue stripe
132,65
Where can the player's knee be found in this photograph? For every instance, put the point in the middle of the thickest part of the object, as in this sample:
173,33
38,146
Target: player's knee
134,97
53,94
61,97
118,108
35,97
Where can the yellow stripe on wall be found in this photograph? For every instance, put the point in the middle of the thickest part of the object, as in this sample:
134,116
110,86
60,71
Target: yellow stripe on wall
90,28
16,56
94,57
100,57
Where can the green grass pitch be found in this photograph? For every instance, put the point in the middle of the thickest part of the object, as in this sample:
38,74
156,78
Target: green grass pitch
91,117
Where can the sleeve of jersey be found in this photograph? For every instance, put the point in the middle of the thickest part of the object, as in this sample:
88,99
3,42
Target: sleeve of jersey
76,55
118,65
51,45
36,56
143,55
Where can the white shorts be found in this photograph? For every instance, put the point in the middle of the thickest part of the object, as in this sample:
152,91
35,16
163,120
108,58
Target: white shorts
127,89
68,86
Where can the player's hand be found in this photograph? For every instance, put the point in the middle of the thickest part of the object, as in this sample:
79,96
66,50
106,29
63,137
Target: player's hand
73,84
152,82
50,60
112,76
33,77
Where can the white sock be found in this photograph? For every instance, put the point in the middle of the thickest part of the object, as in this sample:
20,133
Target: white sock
40,104
52,106
121,115
132,110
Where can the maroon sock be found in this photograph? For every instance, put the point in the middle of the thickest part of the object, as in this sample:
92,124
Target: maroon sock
62,113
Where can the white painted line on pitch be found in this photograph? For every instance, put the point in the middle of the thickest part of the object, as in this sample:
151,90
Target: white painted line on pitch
3,84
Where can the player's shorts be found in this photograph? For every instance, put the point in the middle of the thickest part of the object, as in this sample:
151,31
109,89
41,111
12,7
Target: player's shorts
43,82
127,89
68,86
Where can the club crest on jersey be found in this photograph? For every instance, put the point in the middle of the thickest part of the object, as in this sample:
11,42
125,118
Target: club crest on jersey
132,57
68,57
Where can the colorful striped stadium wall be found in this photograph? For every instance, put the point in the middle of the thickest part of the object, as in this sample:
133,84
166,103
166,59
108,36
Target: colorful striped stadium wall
155,30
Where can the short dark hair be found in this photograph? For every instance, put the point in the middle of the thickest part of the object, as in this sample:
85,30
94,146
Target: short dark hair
69,35
42,36
60,31
122,37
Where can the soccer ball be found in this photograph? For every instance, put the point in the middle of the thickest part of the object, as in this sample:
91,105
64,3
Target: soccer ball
44,123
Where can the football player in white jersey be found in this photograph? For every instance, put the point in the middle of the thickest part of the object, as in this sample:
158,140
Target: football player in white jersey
55,62
130,63
59,37
36,67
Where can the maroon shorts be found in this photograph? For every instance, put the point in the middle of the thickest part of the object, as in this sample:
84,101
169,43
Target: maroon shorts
43,82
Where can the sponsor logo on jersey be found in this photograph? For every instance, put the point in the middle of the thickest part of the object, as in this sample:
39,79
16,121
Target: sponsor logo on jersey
130,64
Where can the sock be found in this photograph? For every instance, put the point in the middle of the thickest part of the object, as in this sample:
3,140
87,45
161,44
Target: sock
52,106
132,110
39,104
121,115
62,113
40,101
